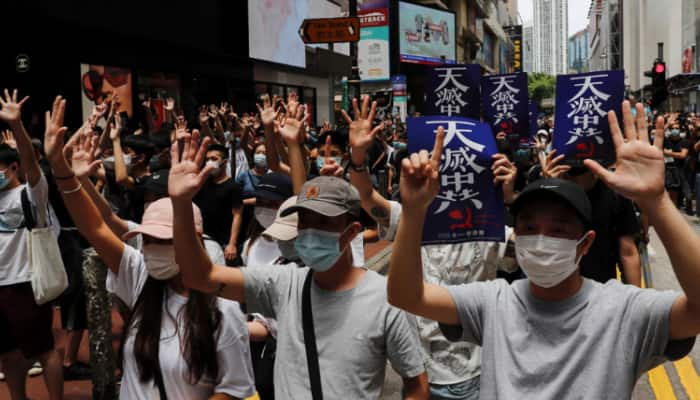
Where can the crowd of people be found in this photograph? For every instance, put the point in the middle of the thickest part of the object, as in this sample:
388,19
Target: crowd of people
233,246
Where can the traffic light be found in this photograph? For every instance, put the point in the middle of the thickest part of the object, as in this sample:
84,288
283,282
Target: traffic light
658,83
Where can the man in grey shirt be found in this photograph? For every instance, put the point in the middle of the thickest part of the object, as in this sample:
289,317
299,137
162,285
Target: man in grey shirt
556,334
356,329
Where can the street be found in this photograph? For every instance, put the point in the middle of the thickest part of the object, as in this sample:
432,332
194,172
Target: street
671,381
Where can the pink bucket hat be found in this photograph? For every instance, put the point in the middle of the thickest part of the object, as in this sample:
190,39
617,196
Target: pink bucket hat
158,218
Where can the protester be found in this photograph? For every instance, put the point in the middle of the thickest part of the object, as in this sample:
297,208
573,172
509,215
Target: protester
198,347
25,326
356,330
575,323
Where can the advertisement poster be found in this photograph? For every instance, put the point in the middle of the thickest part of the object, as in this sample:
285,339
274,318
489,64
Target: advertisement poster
373,47
515,33
157,87
426,35
100,83
581,120
398,88
469,207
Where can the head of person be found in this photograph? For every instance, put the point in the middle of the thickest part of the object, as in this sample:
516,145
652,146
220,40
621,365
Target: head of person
552,228
9,168
155,186
201,316
284,231
138,151
217,157
337,148
675,132
329,209
259,157
543,136
161,146
273,189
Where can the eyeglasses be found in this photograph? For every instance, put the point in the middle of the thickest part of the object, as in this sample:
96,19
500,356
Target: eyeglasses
92,80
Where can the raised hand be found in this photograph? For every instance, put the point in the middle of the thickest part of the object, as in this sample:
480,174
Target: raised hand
639,169
99,111
53,136
552,169
147,104
420,176
290,126
10,108
361,132
9,139
203,115
267,111
83,155
186,173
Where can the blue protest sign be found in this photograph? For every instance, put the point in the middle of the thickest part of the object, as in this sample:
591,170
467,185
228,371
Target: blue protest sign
533,110
581,120
505,105
469,206
454,91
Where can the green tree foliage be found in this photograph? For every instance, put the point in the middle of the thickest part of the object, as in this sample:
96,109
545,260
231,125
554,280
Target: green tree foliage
541,86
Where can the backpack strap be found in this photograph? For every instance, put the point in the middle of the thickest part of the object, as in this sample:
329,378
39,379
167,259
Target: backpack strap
29,220
310,339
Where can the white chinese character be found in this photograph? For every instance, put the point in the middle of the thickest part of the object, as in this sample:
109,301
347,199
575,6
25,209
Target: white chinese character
503,98
453,131
586,110
451,78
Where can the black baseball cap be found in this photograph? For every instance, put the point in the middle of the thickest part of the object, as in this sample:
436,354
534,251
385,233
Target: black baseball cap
274,186
570,193
157,182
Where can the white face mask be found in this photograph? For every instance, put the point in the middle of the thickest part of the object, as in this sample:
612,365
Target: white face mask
546,261
265,216
160,261
215,165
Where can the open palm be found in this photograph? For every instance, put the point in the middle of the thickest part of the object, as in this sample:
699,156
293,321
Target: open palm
10,108
361,132
639,173
186,173
83,156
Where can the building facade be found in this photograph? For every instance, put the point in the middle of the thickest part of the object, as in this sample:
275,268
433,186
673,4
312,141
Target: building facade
606,35
578,52
550,36
528,50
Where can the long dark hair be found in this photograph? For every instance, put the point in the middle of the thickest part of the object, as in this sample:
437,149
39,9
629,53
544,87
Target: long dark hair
201,321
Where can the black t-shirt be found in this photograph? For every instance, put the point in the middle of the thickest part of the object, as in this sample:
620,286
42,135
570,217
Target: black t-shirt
217,202
55,198
613,218
676,147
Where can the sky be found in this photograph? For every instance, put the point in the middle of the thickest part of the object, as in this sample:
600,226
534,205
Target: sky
578,13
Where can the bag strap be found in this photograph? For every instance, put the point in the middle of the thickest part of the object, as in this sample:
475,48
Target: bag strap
310,339
29,221
158,377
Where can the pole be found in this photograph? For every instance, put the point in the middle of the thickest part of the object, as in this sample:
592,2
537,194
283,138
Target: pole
661,50
355,74
331,92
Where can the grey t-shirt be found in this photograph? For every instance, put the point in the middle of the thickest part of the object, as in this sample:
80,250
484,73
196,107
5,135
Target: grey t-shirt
594,345
356,331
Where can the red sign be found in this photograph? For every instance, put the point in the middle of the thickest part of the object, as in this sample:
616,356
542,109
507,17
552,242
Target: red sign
377,17
330,30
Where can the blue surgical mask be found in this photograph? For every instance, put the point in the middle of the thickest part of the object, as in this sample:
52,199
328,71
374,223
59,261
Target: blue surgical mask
675,132
3,180
318,249
399,146
260,160
321,160
237,141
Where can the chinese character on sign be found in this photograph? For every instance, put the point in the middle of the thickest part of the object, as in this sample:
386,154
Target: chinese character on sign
586,108
458,166
450,91
503,98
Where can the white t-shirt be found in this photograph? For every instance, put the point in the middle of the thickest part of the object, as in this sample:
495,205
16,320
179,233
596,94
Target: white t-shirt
236,372
13,235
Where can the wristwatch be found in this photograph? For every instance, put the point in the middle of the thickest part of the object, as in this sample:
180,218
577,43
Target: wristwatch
358,168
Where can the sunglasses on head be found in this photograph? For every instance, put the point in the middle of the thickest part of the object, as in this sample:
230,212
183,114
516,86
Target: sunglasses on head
92,80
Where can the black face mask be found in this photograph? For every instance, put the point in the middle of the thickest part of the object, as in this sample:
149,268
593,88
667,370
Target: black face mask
502,145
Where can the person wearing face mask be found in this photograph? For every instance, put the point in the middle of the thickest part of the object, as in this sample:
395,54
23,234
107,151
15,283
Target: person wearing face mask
550,334
221,202
250,178
273,189
355,329
675,152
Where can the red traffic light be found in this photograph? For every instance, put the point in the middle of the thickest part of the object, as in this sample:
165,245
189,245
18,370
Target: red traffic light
660,68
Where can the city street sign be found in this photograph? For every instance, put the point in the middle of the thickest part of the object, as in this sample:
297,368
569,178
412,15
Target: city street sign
330,30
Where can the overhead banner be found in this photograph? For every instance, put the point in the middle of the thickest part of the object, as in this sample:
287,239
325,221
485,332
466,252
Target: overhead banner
373,48
506,105
515,33
469,206
454,91
581,120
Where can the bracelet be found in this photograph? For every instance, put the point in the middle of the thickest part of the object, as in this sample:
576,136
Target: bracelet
76,190
361,168
59,178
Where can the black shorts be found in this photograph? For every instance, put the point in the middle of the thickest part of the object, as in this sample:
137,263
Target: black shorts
72,301
673,177
24,325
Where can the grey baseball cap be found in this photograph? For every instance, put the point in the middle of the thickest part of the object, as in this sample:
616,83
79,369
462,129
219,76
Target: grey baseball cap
327,195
